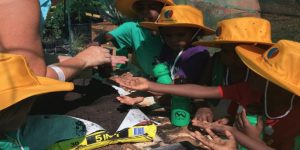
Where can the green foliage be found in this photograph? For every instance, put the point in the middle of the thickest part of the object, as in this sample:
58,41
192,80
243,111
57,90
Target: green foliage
56,27
78,8
78,43
110,13
54,23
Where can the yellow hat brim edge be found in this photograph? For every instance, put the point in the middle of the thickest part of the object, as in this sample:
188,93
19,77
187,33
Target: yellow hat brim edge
47,85
252,58
155,26
217,44
127,9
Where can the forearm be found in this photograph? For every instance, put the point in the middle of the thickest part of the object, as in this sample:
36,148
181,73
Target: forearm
156,93
188,90
248,142
70,67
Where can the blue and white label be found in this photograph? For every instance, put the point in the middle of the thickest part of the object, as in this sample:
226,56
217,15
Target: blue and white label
138,131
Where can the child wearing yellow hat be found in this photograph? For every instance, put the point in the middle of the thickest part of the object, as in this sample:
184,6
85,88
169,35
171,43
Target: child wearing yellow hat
227,68
279,65
281,87
179,26
131,35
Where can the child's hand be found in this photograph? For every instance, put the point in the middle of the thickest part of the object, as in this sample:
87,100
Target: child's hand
204,114
216,126
135,83
130,101
216,143
244,126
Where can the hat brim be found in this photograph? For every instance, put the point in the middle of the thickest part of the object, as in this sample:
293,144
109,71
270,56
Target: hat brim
47,85
155,26
125,6
252,58
217,44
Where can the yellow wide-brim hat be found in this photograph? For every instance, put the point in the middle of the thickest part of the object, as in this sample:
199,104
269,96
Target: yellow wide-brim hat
179,16
247,30
126,6
18,82
280,64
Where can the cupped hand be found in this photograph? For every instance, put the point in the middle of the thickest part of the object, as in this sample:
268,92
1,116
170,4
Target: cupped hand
129,100
134,83
215,142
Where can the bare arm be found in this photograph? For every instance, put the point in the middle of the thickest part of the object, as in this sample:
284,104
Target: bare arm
188,90
250,143
19,34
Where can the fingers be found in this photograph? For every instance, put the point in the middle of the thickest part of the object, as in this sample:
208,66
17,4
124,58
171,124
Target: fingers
204,140
239,123
104,49
240,120
223,121
94,56
125,100
134,83
118,60
127,76
107,55
106,60
244,118
129,100
260,123
213,135
200,124
230,137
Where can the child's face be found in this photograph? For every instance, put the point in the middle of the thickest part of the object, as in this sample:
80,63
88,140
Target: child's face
148,10
177,38
229,57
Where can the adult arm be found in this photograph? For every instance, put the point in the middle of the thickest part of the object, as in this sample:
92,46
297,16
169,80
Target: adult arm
19,34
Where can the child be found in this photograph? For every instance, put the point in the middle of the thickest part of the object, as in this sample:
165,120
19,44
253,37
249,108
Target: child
131,35
178,34
226,67
281,104
279,65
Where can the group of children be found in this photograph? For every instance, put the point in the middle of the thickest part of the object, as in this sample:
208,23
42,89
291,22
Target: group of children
239,74
250,75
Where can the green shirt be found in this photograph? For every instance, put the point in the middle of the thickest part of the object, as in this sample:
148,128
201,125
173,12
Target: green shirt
13,141
42,131
145,46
